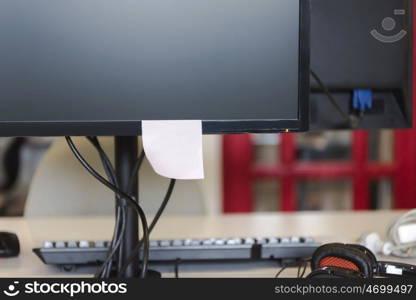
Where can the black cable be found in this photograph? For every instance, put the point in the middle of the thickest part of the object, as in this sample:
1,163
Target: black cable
97,176
135,170
123,195
108,167
153,224
107,264
302,266
330,97
304,270
117,245
109,260
163,205
120,224
106,267
280,271
119,230
299,270
176,267
307,262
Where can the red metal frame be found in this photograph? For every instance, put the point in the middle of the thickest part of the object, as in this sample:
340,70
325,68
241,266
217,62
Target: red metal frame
240,171
238,181
405,179
405,151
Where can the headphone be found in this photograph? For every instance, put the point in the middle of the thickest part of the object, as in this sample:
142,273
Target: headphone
354,261
400,238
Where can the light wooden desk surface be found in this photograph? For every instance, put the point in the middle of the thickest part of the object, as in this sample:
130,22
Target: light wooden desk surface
324,226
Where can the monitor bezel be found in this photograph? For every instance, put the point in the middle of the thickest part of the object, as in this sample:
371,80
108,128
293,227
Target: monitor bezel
133,128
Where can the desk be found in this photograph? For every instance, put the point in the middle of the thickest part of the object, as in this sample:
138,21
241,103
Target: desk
324,226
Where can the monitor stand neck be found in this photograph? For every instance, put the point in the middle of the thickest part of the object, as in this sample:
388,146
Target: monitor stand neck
126,154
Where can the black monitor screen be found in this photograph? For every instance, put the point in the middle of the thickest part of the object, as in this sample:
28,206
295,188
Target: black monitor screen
100,66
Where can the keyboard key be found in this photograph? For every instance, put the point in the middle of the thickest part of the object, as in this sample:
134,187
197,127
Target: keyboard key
98,244
60,244
295,239
308,240
154,244
195,243
164,243
177,243
219,242
249,241
84,244
208,242
234,242
285,240
187,242
261,241
72,244
273,240
48,244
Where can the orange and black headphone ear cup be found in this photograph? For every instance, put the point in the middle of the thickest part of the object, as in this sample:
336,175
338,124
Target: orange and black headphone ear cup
368,253
344,257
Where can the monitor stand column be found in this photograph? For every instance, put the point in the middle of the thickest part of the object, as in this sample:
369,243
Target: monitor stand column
126,153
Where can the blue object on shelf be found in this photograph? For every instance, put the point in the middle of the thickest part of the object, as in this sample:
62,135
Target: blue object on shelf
362,100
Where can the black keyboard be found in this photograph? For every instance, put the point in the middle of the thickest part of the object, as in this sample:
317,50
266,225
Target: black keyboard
93,253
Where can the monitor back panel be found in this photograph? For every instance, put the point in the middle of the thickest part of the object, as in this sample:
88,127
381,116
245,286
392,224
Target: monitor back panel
362,44
100,66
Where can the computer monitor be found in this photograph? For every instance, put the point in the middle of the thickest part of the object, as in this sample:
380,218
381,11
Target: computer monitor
99,67
362,44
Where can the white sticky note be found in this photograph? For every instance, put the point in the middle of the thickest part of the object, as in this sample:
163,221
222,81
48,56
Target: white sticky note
174,148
